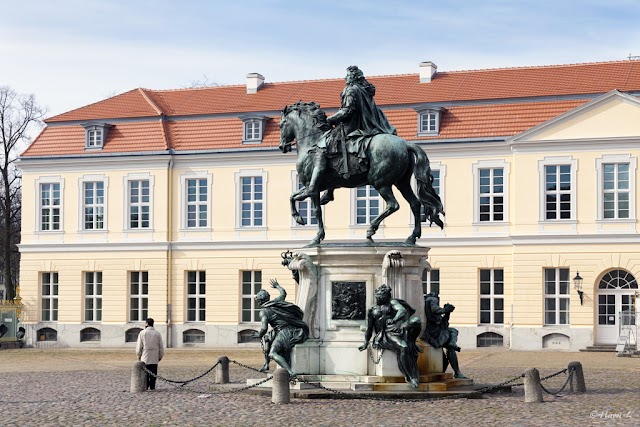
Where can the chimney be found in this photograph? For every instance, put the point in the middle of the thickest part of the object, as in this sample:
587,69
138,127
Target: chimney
254,82
427,71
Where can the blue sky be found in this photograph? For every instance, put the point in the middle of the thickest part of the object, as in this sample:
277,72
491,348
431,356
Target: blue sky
70,53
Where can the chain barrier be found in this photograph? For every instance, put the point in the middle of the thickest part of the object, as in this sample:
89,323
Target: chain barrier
561,388
206,393
182,383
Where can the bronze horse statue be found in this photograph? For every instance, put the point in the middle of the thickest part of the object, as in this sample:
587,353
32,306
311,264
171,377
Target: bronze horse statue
391,159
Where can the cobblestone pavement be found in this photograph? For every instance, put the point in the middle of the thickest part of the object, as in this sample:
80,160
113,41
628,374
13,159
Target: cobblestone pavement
91,388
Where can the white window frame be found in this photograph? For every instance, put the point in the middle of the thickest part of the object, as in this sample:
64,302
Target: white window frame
367,199
52,296
93,299
557,296
436,113
310,210
542,197
428,281
127,200
184,199
141,298
39,207
506,171
81,183
250,296
251,173
257,124
492,296
200,298
95,135
616,159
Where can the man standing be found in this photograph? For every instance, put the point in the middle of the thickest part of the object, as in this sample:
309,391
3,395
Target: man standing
150,350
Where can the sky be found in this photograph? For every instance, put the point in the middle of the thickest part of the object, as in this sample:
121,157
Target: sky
70,53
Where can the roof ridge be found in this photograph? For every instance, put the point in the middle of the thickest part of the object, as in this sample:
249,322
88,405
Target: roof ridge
150,101
528,67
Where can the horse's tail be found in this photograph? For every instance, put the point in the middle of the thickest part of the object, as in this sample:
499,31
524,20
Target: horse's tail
426,193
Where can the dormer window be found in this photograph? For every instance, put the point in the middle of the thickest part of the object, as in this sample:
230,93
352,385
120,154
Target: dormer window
428,121
96,134
253,129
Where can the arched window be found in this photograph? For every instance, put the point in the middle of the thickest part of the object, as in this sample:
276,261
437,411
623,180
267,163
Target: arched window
618,279
246,336
47,334
193,336
489,339
132,335
89,334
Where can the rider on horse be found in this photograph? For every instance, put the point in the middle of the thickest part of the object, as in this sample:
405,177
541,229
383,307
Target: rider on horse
357,121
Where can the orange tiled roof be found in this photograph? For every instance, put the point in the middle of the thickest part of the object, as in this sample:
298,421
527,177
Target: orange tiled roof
391,90
122,138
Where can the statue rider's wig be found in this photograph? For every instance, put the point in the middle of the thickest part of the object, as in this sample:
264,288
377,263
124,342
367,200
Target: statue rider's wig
356,72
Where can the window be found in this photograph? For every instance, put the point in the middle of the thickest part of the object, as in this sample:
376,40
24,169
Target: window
618,279
252,130
251,201
615,187
196,296
49,296
491,194
492,296
367,204
436,186
93,296
428,120
193,336
251,284
50,206
89,334
489,339
139,204
132,334
94,138
305,207
94,202
247,336
139,296
556,296
95,135
430,281
197,202
557,191
47,334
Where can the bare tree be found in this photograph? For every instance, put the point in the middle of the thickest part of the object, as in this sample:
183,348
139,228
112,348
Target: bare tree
18,115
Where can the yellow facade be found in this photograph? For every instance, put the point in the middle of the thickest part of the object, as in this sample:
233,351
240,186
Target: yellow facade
605,130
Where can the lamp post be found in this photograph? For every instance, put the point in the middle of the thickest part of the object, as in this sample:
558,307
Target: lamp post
577,285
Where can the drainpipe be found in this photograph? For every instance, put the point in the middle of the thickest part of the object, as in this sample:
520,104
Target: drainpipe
169,244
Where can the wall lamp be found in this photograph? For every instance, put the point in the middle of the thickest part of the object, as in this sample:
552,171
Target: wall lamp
577,285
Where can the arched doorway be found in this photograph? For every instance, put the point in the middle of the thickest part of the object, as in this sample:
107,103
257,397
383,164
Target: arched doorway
615,293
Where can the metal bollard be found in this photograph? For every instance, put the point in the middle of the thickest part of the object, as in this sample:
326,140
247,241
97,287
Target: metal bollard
532,389
222,370
138,378
280,388
577,380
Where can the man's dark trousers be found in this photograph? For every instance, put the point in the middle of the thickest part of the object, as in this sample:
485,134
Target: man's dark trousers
151,380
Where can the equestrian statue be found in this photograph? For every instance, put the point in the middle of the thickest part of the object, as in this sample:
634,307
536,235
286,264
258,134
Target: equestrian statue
354,147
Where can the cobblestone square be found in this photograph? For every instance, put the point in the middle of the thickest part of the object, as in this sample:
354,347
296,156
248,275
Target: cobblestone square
70,387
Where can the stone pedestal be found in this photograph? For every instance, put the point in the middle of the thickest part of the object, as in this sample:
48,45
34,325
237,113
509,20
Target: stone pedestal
342,284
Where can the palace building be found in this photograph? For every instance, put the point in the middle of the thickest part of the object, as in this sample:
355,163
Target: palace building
174,204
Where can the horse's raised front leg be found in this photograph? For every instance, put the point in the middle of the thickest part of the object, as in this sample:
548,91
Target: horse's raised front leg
407,192
392,206
318,207
294,210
